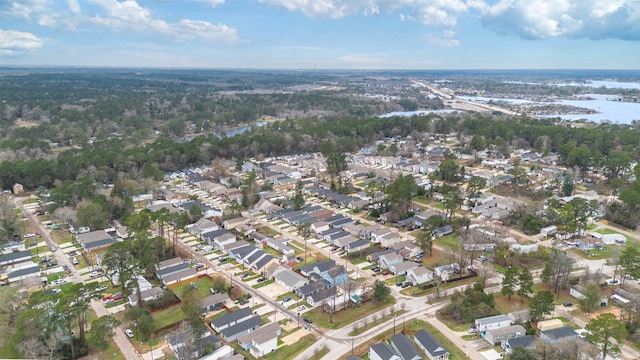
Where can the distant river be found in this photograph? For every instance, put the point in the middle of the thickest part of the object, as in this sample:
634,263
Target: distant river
614,111
417,112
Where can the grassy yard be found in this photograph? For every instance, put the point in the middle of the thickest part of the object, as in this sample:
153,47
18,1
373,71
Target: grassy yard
203,284
344,317
168,316
362,329
449,241
263,284
409,329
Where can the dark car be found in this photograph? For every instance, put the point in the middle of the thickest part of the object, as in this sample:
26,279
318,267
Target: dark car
308,320
261,280
52,264
568,304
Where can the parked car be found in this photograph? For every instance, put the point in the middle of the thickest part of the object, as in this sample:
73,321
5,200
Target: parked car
95,273
52,264
385,273
286,299
75,261
568,304
472,330
129,333
613,281
58,282
244,275
261,280
101,288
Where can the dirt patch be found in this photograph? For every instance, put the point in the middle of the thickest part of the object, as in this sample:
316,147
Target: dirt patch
25,124
293,338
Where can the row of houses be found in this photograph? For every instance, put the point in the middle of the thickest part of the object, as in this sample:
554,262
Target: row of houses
400,347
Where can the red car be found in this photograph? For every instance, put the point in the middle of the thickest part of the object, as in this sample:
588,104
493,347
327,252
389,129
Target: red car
385,273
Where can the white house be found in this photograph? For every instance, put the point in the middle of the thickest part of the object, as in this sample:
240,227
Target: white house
262,341
419,275
387,260
549,230
492,322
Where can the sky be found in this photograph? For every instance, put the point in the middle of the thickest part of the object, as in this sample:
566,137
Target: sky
322,34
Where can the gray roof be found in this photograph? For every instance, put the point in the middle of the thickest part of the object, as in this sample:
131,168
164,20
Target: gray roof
243,251
172,269
522,341
560,333
358,243
405,347
98,243
290,278
24,271
321,265
492,319
383,350
241,327
263,261
12,256
234,316
262,335
214,299
430,343
211,235
183,274
376,255
169,262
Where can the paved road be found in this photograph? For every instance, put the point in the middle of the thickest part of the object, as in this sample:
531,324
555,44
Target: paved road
120,339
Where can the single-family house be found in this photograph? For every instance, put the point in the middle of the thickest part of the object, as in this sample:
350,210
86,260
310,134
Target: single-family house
231,224
201,226
519,316
496,336
94,240
404,347
407,249
554,336
13,258
577,291
319,226
23,273
213,302
161,273
444,272
318,268
376,255
492,322
146,295
169,263
311,288
317,298
177,344
262,341
550,324
231,319
548,230
382,351
443,231
419,275
342,241
387,260
357,245
290,280
336,276
430,345
525,342
184,275
390,239
233,332
401,268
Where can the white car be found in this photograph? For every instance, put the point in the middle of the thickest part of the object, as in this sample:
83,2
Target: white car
58,282
95,273
129,333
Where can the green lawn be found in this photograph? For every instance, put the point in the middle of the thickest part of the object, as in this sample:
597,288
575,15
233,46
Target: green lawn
168,316
283,352
263,284
455,352
203,284
344,317
449,241
370,325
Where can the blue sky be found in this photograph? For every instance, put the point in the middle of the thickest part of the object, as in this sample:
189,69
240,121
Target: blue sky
323,34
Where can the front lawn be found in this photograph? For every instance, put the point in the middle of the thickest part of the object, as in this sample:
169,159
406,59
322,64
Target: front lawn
203,284
344,317
165,317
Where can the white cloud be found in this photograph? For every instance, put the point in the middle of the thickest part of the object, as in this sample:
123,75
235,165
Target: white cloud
538,19
336,9
74,6
445,39
212,3
129,15
26,9
13,42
